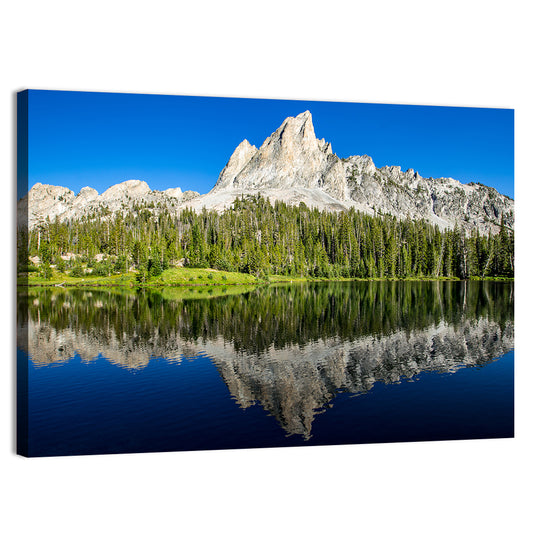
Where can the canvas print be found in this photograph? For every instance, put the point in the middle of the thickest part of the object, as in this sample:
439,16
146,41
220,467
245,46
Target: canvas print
216,273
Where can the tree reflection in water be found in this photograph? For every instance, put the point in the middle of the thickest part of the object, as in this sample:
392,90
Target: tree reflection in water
290,348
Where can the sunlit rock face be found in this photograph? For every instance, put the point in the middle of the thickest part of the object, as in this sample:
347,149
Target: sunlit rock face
292,363
291,157
44,201
293,166
51,202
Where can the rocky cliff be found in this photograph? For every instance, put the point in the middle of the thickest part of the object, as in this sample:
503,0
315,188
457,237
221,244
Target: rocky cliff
292,165
51,201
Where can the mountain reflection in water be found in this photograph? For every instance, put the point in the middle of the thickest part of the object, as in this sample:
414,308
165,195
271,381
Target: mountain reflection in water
291,348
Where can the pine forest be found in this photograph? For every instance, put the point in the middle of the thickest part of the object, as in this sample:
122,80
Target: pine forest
262,239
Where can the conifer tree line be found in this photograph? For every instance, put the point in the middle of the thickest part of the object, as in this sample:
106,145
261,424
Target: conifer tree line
256,237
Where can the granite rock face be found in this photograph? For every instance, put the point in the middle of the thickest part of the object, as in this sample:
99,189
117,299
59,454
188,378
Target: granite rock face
50,201
292,165
291,157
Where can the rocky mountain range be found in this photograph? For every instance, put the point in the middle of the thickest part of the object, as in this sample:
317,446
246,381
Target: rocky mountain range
52,201
293,166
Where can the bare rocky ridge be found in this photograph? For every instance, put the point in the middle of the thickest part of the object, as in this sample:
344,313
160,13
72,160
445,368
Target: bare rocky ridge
51,201
293,166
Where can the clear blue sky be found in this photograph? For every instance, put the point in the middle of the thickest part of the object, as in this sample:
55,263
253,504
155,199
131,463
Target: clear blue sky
99,139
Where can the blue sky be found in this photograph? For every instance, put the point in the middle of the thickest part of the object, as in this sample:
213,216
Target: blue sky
99,139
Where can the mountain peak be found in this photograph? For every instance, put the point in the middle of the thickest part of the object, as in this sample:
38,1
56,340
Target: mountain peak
302,118
238,160
295,129
130,187
291,157
292,165
174,192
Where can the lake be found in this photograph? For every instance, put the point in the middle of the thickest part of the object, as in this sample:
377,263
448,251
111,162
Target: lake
118,371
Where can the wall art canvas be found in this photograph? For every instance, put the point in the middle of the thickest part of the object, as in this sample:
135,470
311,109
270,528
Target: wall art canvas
201,273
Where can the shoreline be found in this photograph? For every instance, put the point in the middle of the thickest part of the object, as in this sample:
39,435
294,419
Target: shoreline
133,284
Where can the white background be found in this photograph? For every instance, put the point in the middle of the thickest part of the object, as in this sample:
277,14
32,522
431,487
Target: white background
465,53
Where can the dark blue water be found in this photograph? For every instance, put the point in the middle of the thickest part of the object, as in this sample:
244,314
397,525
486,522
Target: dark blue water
205,374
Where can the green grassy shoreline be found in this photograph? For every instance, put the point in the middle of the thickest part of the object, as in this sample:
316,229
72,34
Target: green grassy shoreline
198,277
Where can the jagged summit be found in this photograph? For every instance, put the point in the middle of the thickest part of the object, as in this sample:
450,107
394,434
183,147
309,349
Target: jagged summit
293,130
293,166
238,160
291,157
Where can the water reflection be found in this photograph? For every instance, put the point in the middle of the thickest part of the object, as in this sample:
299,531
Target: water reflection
289,348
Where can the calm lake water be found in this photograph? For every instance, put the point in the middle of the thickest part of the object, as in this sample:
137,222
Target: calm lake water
113,371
